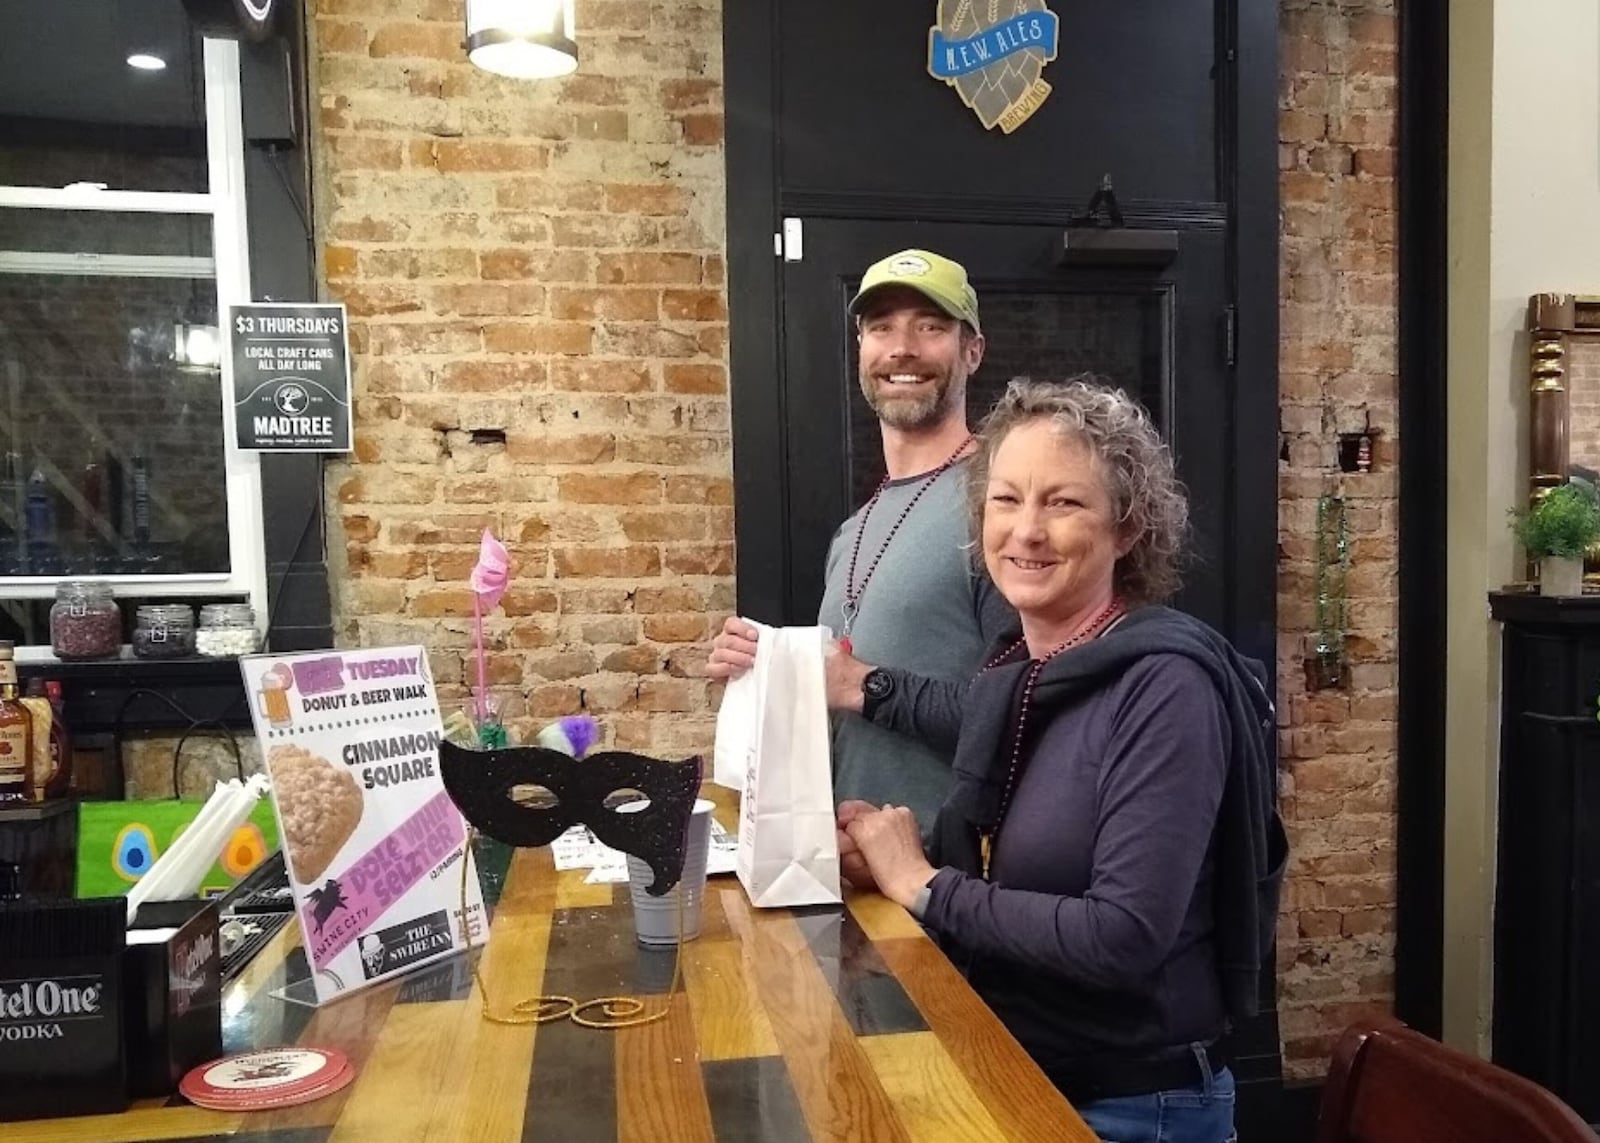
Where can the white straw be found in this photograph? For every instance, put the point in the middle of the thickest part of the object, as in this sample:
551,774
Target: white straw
182,868
150,887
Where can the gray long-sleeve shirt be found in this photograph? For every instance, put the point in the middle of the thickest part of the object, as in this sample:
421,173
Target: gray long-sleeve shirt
925,607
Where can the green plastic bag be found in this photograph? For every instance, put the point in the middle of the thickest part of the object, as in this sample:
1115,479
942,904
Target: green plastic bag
118,842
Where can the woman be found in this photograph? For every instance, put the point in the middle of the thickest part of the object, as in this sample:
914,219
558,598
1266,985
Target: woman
1106,868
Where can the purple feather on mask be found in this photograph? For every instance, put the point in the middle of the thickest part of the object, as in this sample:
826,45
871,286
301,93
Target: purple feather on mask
580,730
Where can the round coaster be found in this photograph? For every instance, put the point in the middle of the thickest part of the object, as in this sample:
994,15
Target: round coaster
272,1077
266,1102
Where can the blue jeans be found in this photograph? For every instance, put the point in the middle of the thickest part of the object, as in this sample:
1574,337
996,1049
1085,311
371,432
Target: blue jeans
1199,1114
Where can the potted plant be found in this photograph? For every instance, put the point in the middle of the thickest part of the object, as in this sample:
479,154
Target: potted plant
1557,531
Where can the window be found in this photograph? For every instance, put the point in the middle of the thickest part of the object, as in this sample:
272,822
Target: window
122,238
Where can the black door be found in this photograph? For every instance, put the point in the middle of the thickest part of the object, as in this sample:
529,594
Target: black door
833,120
1158,331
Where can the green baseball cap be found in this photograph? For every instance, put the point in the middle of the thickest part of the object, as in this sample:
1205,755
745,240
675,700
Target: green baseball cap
935,277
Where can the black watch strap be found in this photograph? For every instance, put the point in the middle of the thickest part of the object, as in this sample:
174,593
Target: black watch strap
876,688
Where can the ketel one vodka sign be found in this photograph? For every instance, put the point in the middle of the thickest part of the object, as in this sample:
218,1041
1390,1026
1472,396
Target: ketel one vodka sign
291,377
42,1009
993,53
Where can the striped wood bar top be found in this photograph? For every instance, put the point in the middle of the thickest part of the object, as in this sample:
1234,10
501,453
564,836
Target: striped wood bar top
794,1025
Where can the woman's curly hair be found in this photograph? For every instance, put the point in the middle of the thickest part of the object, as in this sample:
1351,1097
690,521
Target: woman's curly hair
1146,495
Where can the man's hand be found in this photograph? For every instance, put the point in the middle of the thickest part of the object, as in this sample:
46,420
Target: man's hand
891,845
733,652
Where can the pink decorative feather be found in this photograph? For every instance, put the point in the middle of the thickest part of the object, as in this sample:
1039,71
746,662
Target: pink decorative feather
488,581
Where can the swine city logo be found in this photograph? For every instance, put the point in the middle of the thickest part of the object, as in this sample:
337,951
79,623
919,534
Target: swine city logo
993,53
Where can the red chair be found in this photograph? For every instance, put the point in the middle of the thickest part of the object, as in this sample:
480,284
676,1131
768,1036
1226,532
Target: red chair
1389,1084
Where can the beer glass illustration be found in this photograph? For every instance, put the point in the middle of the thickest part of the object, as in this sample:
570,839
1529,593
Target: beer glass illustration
273,697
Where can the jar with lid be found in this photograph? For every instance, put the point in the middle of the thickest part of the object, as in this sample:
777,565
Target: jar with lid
227,629
164,631
85,622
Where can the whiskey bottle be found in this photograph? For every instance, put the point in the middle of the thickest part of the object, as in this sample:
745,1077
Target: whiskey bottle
16,734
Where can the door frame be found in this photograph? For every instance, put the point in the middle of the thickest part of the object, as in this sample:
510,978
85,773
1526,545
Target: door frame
1424,43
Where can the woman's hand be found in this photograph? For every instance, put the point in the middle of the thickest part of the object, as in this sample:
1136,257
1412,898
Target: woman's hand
891,845
733,652
852,865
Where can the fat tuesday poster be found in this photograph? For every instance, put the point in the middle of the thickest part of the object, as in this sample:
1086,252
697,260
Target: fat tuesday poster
372,842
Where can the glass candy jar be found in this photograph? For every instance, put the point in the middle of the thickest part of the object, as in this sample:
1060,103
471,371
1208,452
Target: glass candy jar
164,631
85,622
227,630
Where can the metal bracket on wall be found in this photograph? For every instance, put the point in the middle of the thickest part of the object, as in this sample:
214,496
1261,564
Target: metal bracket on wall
1099,236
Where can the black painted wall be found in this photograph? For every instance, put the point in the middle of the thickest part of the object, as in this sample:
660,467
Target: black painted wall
283,269
1133,97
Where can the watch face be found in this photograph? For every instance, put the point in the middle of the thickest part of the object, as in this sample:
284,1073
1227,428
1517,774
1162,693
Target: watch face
877,683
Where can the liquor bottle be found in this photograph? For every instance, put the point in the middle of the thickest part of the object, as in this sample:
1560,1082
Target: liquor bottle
141,500
39,512
11,498
94,502
16,734
55,782
61,780
114,497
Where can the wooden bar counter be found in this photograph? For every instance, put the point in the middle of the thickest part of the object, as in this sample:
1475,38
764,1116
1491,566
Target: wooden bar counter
793,1025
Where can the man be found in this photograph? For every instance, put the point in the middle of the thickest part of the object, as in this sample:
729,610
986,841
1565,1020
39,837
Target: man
902,589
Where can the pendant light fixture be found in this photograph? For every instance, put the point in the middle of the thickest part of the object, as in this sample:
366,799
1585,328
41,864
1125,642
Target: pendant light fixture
523,39
196,346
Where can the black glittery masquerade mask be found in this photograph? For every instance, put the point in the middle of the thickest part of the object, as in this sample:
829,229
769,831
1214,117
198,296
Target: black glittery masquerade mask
480,782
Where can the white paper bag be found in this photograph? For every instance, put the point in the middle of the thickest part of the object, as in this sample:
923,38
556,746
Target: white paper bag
772,744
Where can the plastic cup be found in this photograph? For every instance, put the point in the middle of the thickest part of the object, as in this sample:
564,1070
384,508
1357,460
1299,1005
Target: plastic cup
655,919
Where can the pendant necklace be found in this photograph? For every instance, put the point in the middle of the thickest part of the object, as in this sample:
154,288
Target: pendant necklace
1096,627
852,591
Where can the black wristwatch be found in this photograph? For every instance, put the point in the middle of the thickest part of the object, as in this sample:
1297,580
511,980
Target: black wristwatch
876,688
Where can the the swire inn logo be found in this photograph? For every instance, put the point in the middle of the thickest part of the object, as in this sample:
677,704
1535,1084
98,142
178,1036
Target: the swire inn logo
993,53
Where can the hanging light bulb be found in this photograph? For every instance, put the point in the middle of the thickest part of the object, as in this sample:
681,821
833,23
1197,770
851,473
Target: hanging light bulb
196,341
524,39
196,347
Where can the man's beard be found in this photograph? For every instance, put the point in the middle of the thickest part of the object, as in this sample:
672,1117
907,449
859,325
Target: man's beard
911,411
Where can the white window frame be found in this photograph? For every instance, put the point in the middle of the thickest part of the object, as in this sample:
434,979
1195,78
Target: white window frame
224,202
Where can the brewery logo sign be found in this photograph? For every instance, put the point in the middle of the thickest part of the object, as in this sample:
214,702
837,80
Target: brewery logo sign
993,52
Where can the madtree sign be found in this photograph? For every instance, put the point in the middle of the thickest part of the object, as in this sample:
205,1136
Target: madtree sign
291,377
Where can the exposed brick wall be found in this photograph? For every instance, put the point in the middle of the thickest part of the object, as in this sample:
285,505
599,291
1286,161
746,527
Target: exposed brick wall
207,759
543,259
1338,366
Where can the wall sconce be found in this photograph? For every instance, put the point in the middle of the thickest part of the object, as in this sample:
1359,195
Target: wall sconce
523,39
